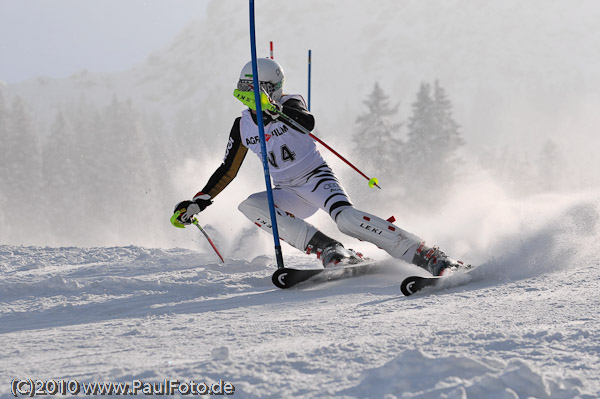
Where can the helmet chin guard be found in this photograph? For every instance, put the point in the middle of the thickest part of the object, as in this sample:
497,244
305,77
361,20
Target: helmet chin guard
270,76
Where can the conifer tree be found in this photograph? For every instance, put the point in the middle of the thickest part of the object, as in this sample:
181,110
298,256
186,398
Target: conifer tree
121,167
376,138
3,164
3,134
429,157
60,183
22,155
87,155
22,170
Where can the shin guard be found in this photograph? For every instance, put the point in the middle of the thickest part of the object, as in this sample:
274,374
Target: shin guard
387,236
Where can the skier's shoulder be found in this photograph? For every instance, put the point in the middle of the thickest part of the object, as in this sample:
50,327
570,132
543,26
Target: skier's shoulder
294,101
236,122
245,126
235,134
246,114
295,107
235,143
235,128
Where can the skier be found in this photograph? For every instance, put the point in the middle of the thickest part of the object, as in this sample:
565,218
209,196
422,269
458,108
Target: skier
303,183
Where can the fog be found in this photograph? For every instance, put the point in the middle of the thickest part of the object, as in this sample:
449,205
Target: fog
57,38
100,158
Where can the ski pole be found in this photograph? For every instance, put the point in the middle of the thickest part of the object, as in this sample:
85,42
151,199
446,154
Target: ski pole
197,224
175,222
247,98
372,181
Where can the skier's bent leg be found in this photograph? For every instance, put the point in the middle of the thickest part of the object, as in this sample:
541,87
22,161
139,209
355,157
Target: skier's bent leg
364,226
395,241
294,231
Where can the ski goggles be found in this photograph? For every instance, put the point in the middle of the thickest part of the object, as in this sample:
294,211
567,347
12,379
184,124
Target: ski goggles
248,85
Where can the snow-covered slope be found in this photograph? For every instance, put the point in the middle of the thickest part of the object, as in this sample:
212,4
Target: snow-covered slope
528,327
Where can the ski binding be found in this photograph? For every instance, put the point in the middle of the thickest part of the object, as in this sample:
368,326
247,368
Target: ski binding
287,277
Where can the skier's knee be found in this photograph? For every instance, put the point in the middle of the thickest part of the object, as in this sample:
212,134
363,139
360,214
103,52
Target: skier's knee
251,206
243,206
347,220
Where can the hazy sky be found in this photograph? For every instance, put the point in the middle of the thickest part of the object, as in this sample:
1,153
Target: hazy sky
59,37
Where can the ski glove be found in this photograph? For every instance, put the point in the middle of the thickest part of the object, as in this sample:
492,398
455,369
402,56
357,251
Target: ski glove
269,106
278,107
185,210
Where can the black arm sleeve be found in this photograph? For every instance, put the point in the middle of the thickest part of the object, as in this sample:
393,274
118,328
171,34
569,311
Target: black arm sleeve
295,109
234,156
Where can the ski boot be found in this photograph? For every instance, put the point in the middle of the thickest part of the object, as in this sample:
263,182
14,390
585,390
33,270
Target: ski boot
336,254
331,252
436,262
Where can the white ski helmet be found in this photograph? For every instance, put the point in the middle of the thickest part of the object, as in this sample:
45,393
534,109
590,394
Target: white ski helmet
270,76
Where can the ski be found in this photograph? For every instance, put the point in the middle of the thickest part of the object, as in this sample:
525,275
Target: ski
413,284
287,277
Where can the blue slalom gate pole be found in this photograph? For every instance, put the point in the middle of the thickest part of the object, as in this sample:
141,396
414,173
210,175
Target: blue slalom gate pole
309,72
261,134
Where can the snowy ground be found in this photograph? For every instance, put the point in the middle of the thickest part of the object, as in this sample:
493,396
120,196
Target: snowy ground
529,327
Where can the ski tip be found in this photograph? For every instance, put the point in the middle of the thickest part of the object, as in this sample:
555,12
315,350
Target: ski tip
285,277
408,287
279,278
414,284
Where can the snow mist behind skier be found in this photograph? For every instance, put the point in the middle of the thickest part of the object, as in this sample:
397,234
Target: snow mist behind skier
303,184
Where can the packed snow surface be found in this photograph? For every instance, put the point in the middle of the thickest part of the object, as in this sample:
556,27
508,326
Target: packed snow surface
527,326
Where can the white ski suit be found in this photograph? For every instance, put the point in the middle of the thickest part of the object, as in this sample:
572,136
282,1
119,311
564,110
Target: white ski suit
303,183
